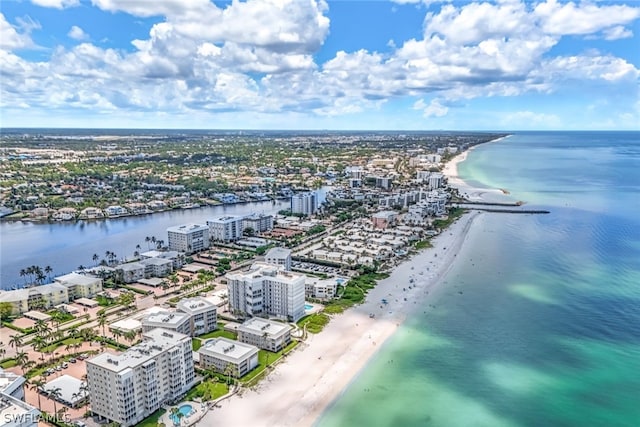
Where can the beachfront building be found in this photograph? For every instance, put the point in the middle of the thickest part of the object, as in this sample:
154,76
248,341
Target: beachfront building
265,334
279,256
267,290
259,223
304,203
37,297
203,316
436,180
80,285
171,321
14,412
315,287
384,219
228,356
128,387
188,238
225,228
176,258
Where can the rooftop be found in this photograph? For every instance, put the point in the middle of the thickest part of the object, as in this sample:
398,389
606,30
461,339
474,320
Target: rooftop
170,318
156,341
76,279
278,252
257,325
186,228
229,350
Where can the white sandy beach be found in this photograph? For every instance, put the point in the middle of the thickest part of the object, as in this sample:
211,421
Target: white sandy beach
450,170
304,385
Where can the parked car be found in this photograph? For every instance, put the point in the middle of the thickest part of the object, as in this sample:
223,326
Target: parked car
73,360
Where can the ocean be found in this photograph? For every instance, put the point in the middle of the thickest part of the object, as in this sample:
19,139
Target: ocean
538,321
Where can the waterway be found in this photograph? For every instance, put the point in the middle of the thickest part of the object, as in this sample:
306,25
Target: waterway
66,245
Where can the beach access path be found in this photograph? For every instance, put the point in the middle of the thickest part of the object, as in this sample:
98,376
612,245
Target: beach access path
313,376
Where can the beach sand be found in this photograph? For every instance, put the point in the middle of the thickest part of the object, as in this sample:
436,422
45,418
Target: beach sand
301,387
473,194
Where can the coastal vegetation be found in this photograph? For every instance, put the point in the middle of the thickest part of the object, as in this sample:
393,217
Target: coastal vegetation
314,323
354,292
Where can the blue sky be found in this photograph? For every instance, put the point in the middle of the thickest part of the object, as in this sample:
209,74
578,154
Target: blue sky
315,64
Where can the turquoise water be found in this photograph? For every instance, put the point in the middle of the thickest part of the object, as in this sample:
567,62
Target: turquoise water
546,331
308,306
184,410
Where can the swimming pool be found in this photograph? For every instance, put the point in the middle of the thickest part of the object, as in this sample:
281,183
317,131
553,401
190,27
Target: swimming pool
308,307
184,410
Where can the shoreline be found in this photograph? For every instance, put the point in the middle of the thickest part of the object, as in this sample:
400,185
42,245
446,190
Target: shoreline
467,190
295,395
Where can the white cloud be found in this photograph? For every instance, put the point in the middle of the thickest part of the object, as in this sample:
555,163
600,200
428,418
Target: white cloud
77,33
585,18
617,32
434,109
146,8
11,39
56,4
205,58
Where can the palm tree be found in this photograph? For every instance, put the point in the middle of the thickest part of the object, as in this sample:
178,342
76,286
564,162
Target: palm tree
148,239
38,344
48,270
229,370
102,321
21,360
36,384
95,258
54,394
15,341
130,336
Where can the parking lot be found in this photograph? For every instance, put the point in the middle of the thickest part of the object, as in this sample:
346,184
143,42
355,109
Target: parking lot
317,268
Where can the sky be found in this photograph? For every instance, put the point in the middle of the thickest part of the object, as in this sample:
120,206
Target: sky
316,64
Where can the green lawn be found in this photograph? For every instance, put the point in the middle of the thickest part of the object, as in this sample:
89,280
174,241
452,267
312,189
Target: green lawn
196,344
219,333
152,420
314,322
8,364
423,244
65,342
208,390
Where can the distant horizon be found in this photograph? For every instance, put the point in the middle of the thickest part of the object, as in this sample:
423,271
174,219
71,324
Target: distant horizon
315,130
468,65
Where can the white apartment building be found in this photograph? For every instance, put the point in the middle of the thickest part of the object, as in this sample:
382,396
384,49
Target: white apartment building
188,238
258,222
80,285
354,172
267,290
265,334
221,353
46,296
14,412
131,272
171,321
279,256
225,228
157,267
128,387
304,203
321,288
203,316
176,258
436,180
